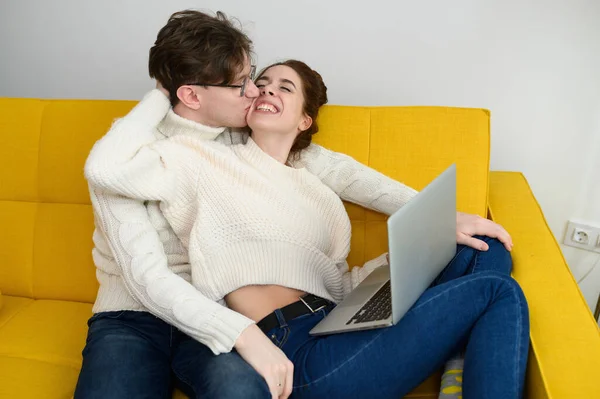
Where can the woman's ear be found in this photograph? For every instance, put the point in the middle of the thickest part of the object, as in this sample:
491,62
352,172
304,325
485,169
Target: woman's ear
305,123
189,97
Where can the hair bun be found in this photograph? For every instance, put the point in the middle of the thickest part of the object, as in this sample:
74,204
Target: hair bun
321,88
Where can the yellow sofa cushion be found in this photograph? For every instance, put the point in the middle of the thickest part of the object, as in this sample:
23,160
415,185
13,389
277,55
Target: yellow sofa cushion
16,251
47,251
412,145
32,379
44,143
40,347
12,306
45,331
20,128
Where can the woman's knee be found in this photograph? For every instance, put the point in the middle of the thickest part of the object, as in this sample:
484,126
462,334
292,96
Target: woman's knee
497,257
503,285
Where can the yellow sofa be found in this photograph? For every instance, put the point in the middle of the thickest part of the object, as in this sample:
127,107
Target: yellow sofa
47,277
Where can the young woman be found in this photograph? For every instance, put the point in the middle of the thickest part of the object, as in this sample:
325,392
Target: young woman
262,232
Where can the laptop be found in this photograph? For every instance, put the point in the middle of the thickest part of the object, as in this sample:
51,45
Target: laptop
422,241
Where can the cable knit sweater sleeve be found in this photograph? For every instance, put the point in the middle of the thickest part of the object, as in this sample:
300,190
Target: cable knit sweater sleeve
120,165
353,181
137,249
124,155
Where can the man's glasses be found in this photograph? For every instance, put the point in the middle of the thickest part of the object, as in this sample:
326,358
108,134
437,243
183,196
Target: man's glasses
242,87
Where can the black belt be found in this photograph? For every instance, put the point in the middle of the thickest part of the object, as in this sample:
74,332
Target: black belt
308,303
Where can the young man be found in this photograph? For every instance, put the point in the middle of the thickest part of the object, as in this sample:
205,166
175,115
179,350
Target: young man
145,327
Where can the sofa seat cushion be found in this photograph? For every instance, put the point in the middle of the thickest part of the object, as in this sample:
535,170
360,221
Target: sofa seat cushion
45,331
12,305
32,379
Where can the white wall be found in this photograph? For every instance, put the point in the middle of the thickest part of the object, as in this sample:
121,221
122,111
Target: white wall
532,63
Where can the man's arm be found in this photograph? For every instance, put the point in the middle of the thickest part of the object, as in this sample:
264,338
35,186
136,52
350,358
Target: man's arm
125,162
135,243
138,251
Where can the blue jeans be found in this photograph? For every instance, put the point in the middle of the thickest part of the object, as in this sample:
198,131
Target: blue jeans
474,305
136,355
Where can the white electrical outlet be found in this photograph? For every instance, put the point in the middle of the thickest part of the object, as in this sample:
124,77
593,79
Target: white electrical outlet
582,235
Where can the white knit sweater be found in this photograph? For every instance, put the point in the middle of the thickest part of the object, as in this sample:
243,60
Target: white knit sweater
246,219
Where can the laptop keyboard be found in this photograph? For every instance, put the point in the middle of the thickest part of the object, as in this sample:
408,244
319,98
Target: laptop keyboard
379,307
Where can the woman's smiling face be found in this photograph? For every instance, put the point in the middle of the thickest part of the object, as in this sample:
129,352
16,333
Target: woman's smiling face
280,105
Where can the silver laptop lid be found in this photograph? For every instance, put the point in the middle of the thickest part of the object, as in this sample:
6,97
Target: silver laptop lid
422,240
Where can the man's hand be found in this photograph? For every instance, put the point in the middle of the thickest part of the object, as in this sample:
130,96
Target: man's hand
468,225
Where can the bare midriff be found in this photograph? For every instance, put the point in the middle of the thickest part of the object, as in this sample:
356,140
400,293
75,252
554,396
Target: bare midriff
257,301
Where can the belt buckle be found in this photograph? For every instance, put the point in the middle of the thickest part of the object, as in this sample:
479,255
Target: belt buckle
310,307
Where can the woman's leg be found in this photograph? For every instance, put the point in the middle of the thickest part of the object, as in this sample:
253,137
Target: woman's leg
469,260
487,310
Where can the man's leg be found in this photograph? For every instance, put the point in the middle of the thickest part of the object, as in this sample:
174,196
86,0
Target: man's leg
127,355
201,374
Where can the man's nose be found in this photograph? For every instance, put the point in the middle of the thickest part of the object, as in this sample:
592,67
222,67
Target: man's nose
251,90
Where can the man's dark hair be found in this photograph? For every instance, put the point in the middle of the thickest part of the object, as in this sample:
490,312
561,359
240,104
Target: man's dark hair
197,47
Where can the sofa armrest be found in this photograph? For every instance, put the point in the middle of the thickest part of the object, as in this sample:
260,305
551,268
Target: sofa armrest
565,339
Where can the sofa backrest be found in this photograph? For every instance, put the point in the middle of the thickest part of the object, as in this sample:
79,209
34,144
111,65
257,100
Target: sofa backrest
45,212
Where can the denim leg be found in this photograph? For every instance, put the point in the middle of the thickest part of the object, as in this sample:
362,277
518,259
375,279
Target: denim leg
488,310
127,355
469,260
201,374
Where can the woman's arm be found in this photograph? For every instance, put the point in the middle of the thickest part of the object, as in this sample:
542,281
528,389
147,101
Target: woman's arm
362,185
353,181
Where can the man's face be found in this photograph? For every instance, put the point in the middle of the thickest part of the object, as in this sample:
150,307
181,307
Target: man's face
224,106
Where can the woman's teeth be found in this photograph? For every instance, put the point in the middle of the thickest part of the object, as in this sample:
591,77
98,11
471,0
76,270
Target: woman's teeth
266,107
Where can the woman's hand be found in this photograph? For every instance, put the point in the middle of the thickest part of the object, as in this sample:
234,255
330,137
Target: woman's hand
468,225
268,360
